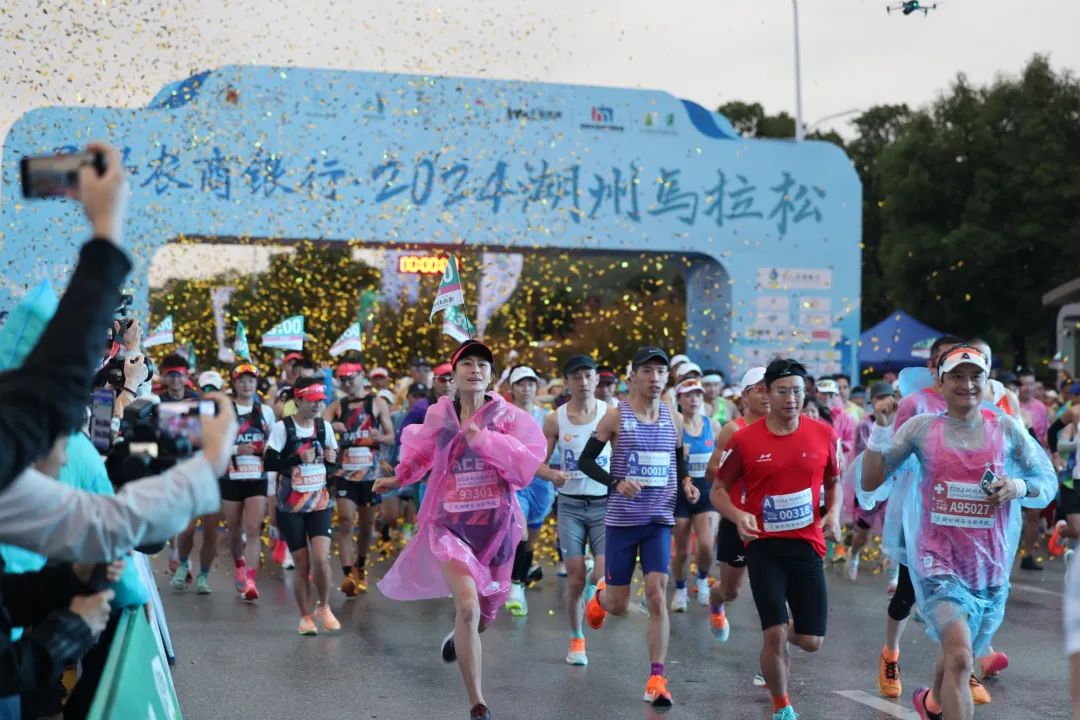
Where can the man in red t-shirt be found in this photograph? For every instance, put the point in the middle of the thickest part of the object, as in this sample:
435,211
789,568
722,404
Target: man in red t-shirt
784,465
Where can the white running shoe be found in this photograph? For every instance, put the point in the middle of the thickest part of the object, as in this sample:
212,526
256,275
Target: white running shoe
759,680
289,564
702,586
516,602
679,600
852,568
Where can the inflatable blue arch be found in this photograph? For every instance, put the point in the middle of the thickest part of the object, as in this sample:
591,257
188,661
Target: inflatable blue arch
770,229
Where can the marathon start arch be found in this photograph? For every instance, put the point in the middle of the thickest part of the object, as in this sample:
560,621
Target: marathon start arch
770,229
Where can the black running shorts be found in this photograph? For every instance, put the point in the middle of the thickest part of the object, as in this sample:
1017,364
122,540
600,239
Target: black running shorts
788,573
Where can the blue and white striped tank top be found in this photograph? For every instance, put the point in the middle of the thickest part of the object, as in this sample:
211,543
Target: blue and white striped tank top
644,453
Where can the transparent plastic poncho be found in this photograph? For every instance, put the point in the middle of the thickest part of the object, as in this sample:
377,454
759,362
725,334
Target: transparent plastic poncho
959,546
470,512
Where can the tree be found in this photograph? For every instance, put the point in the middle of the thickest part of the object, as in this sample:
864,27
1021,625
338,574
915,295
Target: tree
981,214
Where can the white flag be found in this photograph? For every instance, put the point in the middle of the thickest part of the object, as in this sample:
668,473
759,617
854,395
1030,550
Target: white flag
349,340
160,335
287,334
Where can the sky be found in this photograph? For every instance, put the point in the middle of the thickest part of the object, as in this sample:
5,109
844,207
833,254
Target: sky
854,54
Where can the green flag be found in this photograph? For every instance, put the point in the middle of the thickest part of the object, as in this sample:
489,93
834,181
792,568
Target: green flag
450,293
240,345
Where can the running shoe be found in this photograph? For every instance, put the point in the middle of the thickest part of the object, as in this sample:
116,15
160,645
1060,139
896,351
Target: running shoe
174,559
993,663
888,678
1056,546
288,563
535,575
702,588
202,584
759,680
721,628
361,579
919,701
449,652
679,600
406,533
852,569
278,554
785,713
348,585
307,626
561,569
329,622
590,563
594,611
590,591
480,712
516,603
180,577
656,693
979,694
1030,563
576,654
240,578
250,591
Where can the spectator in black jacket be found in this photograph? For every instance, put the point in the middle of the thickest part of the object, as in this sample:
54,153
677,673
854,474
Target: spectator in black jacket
47,396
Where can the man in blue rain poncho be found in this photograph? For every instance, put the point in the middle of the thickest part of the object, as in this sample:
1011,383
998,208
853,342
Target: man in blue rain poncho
961,526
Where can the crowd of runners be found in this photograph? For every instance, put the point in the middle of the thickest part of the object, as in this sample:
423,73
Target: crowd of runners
659,467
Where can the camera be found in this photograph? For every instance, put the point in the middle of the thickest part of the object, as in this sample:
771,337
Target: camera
120,315
154,436
111,374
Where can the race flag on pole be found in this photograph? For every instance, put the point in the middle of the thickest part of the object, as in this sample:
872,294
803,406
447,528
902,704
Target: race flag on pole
160,335
240,345
287,334
456,324
349,340
189,354
449,293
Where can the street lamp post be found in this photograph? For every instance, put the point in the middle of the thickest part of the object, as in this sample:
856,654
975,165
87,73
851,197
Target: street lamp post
800,131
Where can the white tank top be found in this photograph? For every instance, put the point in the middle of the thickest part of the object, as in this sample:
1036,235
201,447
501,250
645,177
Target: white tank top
572,439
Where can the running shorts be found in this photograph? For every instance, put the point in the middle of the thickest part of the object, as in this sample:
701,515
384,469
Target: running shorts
241,490
1068,502
297,528
730,549
361,493
580,521
788,573
624,545
684,508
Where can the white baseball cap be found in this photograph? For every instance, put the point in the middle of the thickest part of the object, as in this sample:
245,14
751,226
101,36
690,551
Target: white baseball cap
752,377
678,359
689,386
827,386
211,379
686,368
523,373
963,355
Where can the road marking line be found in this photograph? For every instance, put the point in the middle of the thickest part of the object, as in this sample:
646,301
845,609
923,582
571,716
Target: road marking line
892,709
1034,589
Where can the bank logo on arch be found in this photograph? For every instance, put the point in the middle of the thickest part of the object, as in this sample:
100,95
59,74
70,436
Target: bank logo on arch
297,155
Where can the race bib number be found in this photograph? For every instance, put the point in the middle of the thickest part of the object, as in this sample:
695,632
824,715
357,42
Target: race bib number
308,478
960,504
698,462
246,467
473,490
357,459
648,468
781,513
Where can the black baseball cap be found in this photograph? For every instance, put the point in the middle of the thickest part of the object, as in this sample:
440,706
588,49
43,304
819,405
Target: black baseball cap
1008,378
417,389
472,348
881,389
647,353
578,362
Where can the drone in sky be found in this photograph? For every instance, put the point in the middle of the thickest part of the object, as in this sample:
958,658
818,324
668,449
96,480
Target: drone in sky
911,6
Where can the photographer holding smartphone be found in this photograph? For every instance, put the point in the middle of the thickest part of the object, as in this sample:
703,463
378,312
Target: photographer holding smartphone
47,396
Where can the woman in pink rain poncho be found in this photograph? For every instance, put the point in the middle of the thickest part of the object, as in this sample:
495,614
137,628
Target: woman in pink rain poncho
973,471
479,449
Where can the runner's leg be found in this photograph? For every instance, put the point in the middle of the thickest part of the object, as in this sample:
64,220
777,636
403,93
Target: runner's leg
466,627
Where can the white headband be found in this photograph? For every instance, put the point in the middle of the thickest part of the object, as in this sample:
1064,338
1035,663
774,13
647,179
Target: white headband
712,379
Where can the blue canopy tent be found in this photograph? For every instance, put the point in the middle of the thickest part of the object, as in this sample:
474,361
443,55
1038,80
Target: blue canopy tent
890,345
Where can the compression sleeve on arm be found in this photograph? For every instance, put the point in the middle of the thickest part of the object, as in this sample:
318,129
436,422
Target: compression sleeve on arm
682,467
1052,433
587,462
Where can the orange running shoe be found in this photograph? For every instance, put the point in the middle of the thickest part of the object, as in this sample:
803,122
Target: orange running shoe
329,622
307,626
594,611
656,692
361,579
1056,547
979,694
576,654
888,678
348,585
719,625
